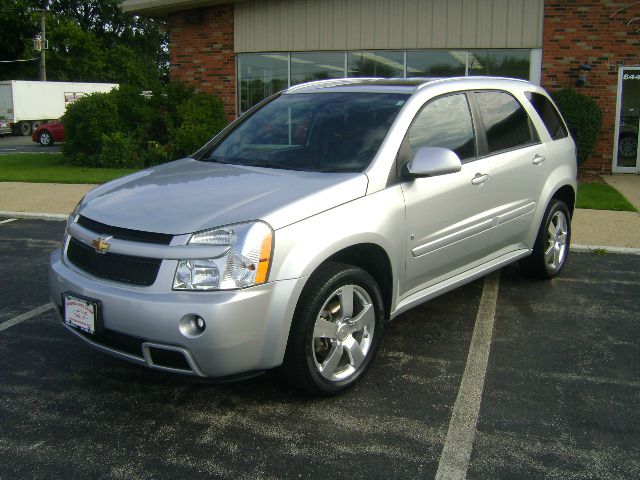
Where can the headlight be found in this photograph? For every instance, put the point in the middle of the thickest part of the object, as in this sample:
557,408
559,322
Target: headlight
245,263
72,217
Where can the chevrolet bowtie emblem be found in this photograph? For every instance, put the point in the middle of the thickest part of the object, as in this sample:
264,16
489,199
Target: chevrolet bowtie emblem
101,245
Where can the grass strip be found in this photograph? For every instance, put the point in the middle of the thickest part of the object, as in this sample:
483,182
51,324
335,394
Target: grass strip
51,168
600,196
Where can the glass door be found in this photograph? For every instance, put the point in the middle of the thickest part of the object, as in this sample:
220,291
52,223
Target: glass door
626,157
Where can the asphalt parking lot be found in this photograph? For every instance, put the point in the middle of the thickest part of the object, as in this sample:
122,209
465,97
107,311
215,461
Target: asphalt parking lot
11,144
558,399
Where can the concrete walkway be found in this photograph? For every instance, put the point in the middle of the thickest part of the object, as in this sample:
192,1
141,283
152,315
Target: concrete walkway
51,198
607,228
595,228
627,185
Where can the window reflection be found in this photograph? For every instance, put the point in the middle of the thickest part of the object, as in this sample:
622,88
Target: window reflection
436,63
261,75
310,66
505,121
505,63
444,122
375,64
328,132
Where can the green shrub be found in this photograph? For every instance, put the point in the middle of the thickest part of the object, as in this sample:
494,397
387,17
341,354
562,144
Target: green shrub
156,154
198,119
86,121
134,111
584,119
120,151
123,129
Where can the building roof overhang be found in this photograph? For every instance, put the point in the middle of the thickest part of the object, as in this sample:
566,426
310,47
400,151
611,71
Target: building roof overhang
160,8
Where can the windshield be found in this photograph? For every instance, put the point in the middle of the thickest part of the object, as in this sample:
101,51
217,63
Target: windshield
320,132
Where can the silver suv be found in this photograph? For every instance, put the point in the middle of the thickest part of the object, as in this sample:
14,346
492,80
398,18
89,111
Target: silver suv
297,232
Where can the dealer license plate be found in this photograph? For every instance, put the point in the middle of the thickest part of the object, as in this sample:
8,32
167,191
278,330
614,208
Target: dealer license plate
80,313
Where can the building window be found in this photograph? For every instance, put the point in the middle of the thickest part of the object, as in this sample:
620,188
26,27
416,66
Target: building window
263,74
375,64
436,63
310,66
503,63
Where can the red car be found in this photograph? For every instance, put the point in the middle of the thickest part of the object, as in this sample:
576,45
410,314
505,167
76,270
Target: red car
49,133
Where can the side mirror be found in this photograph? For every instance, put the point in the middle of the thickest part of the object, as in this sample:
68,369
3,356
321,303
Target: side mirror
433,161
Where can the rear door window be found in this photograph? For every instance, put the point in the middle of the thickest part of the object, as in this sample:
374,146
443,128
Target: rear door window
507,124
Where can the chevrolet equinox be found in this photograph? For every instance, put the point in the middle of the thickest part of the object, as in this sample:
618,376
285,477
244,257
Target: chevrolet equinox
317,216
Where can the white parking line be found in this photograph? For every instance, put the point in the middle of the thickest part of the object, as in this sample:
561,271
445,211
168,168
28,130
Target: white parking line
454,460
25,316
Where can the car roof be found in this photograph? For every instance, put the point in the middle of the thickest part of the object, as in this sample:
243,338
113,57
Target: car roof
397,85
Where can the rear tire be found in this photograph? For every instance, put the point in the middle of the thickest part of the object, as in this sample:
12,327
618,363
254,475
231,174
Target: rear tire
335,331
24,128
551,248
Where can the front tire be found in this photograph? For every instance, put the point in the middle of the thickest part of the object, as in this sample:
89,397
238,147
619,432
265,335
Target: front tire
45,138
552,243
336,330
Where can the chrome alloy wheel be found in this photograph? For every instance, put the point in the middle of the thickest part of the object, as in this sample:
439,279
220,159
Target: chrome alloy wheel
556,250
343,332
628,146
45,139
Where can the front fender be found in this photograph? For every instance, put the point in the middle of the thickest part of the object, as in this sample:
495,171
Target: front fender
300,248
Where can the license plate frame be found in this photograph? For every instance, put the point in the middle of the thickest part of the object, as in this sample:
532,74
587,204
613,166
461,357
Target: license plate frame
82,313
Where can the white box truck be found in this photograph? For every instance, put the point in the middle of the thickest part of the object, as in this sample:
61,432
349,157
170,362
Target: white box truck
28,104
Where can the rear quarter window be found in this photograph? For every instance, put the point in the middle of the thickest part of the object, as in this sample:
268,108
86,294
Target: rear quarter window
549,115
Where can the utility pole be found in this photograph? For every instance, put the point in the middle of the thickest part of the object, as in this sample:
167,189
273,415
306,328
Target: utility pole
43,67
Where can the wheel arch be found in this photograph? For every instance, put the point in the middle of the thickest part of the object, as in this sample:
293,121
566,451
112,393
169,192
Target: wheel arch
373,259
567,194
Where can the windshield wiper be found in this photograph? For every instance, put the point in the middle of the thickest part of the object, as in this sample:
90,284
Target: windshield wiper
213,159
276,165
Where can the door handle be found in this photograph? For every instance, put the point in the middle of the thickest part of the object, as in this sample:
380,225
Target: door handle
538,159
479,179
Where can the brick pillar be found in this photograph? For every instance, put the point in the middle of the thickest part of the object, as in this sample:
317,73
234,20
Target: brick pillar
201,52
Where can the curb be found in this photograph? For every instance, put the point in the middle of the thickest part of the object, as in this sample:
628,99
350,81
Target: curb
604,249
35,216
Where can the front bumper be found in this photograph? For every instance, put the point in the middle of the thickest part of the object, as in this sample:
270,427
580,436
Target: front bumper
246,330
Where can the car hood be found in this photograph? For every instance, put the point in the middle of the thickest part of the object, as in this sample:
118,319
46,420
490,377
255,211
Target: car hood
187,195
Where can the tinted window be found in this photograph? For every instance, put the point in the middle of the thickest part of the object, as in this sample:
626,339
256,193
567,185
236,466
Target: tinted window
549,115
321,132
444,122
506,122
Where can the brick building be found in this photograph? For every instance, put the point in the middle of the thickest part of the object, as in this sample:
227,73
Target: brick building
245,50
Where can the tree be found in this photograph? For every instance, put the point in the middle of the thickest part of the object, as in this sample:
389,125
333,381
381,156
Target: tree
88,41
18,29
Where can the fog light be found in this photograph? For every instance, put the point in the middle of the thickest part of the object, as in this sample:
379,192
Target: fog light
200,324
192,325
